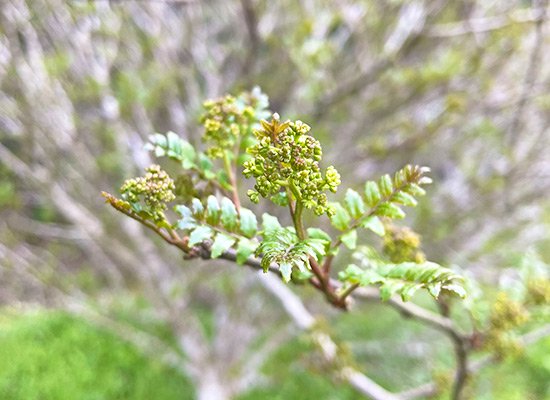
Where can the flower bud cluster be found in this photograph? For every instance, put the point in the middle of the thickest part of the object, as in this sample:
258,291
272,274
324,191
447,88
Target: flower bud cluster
503,344
286,156
507,314
225,121
156,189
538,291
402,244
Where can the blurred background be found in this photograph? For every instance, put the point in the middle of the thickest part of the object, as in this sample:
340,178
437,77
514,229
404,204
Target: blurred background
94,307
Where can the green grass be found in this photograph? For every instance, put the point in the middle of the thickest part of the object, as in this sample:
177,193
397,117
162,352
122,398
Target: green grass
49,356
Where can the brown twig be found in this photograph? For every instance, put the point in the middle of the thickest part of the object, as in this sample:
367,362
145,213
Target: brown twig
170,236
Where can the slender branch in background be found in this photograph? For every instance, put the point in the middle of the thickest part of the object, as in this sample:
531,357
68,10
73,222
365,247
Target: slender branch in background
535,335
351,87
487,24
441,323
44,229
178,2
251,21
295,308
402,40
409,310
430,389
423,391
460,350
531,73
461,372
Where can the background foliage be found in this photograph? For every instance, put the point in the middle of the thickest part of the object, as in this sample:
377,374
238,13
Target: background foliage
459,86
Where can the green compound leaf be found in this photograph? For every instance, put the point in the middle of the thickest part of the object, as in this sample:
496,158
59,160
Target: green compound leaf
213,210
316,233
198,208
323,239
390,210
180,149
372,194
269,223
405,199
223,224
229,214
187,221
317,248
223,180
222,243
249,223
281,199
384,196
374,224
206,167
157,144
186,224
245,249
386,186
183,211
286,271
341,218
457,289
415,190
282,248
199,235
391,287
427,275
403,279
350,239
174,147
354,203
381,198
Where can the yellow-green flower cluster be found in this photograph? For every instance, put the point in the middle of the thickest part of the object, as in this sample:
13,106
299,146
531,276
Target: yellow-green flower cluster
402,244
503,344
538,291
507,314
225,121
286,156
156,189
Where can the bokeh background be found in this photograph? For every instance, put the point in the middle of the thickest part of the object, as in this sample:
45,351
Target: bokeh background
94,307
